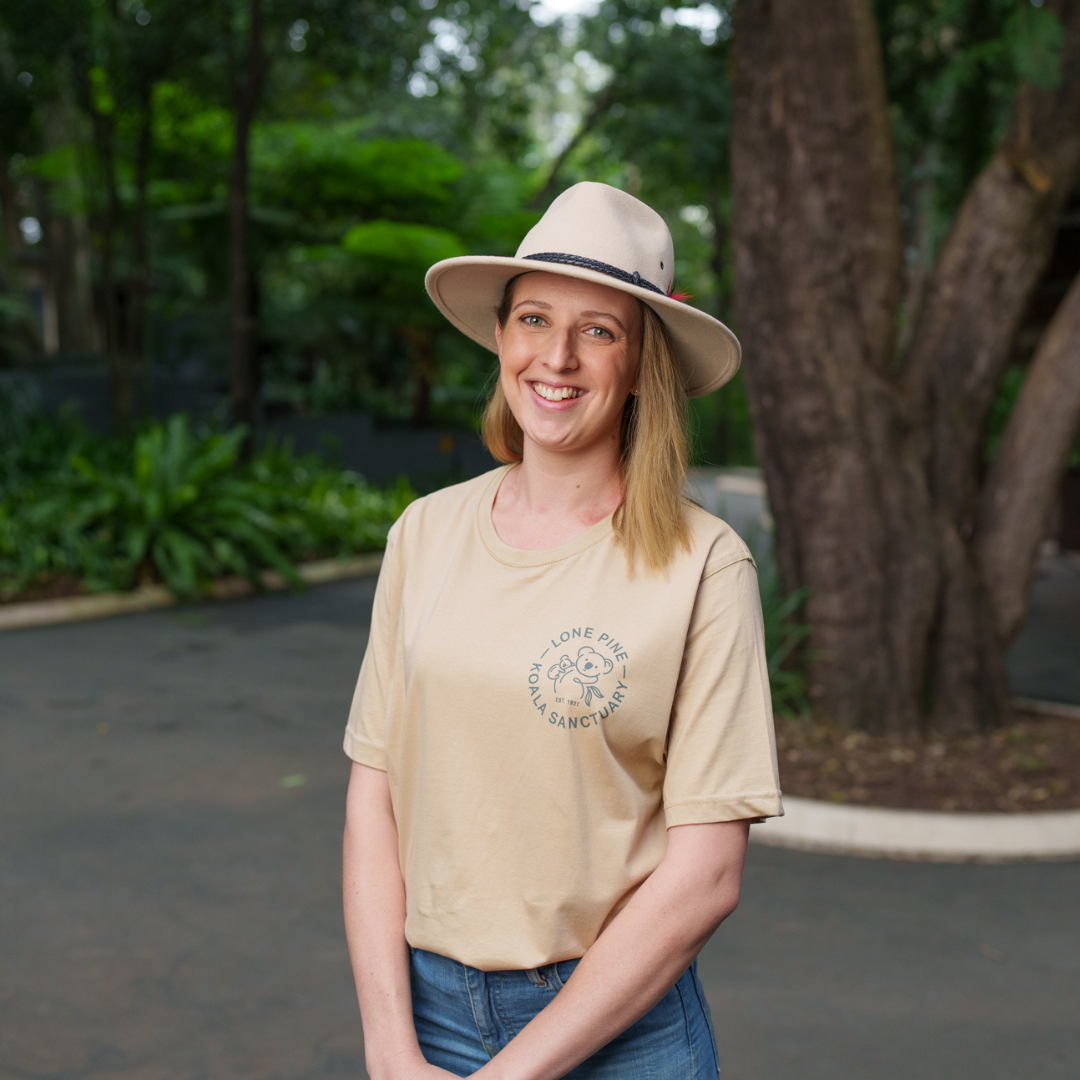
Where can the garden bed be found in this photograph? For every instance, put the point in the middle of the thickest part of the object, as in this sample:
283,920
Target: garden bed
1033,765
177,507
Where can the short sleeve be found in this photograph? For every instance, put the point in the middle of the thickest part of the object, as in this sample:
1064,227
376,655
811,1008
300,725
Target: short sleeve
374,697
721,761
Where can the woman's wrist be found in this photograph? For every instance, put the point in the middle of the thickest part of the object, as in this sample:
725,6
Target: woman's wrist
393,1062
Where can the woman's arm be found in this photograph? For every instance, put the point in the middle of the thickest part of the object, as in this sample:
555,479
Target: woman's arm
374,897
638,958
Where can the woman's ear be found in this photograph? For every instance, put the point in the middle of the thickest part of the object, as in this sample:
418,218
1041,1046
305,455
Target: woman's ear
498,335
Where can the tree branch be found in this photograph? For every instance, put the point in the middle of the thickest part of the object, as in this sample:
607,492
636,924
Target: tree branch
991,262
603,102
1027,473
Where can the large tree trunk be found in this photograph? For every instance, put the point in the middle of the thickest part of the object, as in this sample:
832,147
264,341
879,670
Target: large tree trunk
873,471
818,263
243,328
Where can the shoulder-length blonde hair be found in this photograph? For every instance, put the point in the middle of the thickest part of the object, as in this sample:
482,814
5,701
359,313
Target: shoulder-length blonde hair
650,521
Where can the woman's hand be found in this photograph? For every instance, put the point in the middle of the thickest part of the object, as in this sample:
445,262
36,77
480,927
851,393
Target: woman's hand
638,958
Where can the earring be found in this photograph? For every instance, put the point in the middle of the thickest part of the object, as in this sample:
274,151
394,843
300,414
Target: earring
634,392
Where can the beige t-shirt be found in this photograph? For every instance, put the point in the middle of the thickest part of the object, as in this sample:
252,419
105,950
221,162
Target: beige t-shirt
543,717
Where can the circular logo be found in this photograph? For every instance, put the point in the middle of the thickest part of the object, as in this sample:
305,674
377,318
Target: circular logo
579,680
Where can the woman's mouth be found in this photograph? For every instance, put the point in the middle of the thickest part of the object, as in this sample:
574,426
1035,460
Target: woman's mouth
556,393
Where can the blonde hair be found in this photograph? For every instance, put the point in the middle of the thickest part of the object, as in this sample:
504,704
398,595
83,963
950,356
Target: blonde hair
650,521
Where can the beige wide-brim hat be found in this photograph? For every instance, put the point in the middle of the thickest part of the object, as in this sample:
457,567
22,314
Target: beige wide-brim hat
596,233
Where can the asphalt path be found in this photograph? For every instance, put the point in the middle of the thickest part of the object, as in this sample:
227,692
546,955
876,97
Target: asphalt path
171,793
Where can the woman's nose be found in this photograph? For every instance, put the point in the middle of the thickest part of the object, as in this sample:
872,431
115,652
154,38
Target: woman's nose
561,355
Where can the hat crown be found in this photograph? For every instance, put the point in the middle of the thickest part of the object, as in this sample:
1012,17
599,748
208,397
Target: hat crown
603,224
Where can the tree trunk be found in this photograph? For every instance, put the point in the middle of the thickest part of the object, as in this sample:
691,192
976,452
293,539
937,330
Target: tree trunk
121,384
873,472
139,281
818,264
9,207
242,323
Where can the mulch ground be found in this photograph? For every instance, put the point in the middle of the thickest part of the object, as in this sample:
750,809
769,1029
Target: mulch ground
1034,765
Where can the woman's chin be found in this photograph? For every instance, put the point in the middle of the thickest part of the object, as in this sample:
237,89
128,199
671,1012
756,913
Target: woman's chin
561,438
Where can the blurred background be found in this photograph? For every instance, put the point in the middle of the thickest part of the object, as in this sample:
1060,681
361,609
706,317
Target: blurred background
365,141
218,361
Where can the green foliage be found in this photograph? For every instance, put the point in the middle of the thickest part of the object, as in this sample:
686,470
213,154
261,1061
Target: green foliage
327,171
1037,39
952,69
174,503
391,246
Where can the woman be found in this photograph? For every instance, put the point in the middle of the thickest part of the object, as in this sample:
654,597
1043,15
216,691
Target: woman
562,726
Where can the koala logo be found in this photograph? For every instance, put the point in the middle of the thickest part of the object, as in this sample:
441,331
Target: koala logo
585,671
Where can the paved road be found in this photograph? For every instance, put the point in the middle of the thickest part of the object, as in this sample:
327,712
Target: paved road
1044,661
169,908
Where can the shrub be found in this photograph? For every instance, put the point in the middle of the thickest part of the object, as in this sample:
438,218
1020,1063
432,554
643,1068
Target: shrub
174,503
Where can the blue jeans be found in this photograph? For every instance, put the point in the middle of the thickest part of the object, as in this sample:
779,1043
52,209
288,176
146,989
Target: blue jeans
464,1017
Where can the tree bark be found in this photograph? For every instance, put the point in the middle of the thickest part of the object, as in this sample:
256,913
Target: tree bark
242,321
1029,468
818,265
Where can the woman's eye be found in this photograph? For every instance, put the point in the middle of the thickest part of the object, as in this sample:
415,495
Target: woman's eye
598,332
532,320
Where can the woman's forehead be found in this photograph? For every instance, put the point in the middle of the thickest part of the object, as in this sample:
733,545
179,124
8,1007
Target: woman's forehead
559,290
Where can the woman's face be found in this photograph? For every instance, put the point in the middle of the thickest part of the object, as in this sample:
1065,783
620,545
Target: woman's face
568,358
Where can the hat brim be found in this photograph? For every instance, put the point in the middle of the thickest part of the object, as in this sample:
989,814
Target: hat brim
468,290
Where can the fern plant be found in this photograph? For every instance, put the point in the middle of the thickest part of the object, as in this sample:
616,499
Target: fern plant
175,504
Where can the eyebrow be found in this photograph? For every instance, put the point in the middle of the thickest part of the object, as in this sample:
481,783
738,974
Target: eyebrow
586,314
605,315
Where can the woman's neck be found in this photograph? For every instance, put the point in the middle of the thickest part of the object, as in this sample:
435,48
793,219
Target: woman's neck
552,496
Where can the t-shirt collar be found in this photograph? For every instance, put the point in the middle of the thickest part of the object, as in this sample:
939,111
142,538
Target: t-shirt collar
515,556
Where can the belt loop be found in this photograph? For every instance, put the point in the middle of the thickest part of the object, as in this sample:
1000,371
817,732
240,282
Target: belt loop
536,978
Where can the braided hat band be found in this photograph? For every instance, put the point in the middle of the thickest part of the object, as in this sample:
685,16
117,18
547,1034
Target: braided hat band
600,267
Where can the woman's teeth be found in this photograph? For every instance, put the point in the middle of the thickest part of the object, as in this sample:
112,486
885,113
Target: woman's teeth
556,393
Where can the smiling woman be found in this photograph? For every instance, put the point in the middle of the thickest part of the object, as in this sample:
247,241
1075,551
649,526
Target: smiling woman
562,725
633,356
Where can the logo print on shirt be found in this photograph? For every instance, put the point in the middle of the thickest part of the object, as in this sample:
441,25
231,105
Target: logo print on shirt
586,671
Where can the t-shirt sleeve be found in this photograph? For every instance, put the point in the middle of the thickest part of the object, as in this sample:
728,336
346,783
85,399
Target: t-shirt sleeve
721,761
374,697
